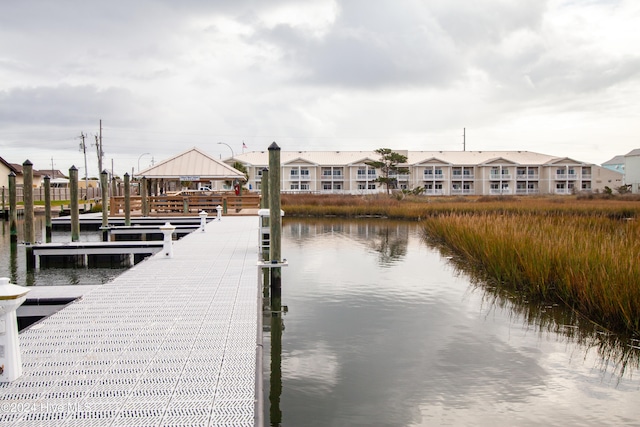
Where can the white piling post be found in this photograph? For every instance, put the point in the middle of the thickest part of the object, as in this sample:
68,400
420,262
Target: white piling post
167,247
203,220
11,296
219,209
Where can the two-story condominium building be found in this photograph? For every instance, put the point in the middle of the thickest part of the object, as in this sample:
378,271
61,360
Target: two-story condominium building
435,172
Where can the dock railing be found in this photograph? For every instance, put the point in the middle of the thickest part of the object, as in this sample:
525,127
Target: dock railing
185,204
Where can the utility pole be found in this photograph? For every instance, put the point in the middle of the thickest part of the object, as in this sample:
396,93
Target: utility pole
83,147
464,139
99,147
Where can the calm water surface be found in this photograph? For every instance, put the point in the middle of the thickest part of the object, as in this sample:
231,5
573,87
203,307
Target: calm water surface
13,260
382,330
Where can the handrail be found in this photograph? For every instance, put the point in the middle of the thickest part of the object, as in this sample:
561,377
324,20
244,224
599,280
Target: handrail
188,204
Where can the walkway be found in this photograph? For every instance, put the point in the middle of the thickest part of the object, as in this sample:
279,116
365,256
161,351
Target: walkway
170,342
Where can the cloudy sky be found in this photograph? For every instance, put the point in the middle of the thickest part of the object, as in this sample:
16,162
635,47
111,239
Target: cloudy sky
559,77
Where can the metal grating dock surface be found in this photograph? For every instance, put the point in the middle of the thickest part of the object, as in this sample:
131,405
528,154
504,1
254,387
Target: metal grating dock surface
170,342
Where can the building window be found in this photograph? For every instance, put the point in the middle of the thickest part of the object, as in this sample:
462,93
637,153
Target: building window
294,172
304,172
294,186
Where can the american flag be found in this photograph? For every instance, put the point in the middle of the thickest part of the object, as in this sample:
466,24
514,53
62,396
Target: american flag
244,145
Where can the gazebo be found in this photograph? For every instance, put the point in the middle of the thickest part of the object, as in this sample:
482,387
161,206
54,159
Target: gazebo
192,170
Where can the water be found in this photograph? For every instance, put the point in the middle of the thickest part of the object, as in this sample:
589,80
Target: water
13,260
382,330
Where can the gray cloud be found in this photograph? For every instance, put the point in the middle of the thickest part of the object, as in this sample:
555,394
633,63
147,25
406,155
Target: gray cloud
63,105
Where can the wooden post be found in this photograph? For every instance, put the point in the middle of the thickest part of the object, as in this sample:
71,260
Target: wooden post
104,192
275,220
13,208
74,207
47,208
264,189
114,187
127,200
143,196
27,188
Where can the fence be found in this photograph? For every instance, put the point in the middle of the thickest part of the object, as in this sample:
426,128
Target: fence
178,205
57,193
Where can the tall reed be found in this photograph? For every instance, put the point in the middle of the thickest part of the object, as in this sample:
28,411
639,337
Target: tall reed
588,262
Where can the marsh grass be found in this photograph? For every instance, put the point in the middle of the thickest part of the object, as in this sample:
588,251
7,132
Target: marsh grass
584,252
588,262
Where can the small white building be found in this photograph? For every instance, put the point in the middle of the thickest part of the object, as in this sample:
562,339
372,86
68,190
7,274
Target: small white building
191,170
632,170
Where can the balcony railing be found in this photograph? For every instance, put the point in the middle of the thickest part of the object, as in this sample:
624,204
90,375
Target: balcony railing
500,177
566,176
527,191
365,176
434,177
463,191
524,176
500,191
434,192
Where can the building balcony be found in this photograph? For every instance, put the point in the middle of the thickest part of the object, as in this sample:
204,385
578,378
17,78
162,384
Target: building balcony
495,191
434,177
434,192
463,191
527,177
527,191
500,177
366,176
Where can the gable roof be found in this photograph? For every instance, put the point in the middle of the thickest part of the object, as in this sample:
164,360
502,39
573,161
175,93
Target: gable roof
8,165
192,163
616,160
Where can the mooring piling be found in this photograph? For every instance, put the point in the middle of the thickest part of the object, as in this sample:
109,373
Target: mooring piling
27,188
13,209
74,206
47,208
275,220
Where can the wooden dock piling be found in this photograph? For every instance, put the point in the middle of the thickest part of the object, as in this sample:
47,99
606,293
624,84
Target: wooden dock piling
13,209
275,220
74,207
29,226
47,208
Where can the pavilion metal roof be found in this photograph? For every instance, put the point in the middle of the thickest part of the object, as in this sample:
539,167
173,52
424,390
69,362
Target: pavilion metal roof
192,163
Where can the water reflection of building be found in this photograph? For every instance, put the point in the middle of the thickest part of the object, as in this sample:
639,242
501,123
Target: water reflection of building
389,238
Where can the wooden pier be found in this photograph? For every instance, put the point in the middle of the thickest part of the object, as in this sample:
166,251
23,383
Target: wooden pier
170,342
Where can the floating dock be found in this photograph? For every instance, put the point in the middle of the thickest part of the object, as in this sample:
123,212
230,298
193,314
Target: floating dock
93,221
76,254
170,342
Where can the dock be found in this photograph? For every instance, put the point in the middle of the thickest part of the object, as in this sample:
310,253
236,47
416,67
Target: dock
93,221
84,253
170,342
